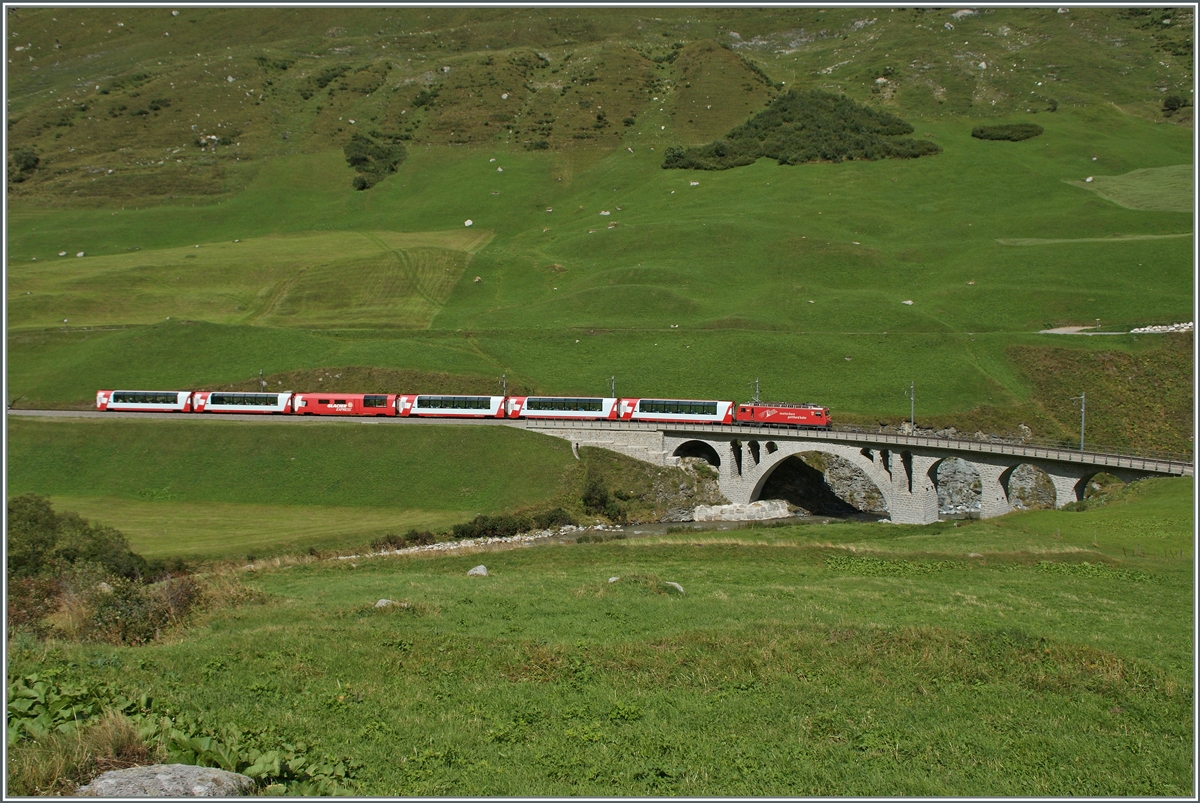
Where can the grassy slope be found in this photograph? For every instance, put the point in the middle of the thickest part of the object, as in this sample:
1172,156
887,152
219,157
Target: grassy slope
846,659
212,488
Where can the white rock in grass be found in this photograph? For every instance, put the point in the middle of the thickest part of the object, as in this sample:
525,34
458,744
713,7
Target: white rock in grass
1088,179
79,254
478,571
675,586
468,222
62,253
168,780
909,303
613,579
385,603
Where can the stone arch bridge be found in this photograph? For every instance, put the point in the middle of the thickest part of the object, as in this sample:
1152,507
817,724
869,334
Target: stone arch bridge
903,467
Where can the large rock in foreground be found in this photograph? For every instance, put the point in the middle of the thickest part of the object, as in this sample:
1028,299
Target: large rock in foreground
168,780
755,511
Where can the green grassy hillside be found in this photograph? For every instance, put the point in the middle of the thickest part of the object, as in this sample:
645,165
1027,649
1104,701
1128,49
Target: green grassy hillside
821,660
584,259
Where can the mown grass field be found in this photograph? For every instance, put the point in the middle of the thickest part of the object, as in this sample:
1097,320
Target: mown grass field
211,489
816,660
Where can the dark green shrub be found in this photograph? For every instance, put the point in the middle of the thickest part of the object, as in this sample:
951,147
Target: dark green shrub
125,613
499,526
1012,132
410,538
22,164
553,518
595,493
1173,103
537,145
40,540
424,98
800,127
30,600
372,160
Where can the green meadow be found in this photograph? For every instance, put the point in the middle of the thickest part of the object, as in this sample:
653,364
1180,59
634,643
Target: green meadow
181,213
1046,653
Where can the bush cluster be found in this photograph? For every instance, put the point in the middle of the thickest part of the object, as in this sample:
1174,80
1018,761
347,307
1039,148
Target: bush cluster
812,126
373,160
410,538
1013,132
41,541
505,524
21,165
83,581
596,497
1172,104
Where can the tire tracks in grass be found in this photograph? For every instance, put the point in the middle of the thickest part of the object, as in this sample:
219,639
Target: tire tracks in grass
409,271
276,298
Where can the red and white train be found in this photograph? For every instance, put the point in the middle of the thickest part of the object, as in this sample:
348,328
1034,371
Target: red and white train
676,411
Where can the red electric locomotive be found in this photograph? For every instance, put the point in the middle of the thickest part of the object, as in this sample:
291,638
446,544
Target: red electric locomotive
783,414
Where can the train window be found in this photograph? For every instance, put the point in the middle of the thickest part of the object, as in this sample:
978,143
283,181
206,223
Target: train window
565,405
454,402
145,397
677,407
322,401
374,401
247,399
339,401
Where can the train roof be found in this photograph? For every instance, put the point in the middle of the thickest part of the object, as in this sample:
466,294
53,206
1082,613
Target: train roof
802,405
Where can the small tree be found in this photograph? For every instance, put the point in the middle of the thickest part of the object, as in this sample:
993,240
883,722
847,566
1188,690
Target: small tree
1173,103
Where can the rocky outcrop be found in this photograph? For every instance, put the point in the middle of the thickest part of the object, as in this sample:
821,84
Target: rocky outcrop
755,511
168,780
852,485
958,487
1029,487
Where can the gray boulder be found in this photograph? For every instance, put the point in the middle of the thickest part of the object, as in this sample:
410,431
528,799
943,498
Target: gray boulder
478,571
168,780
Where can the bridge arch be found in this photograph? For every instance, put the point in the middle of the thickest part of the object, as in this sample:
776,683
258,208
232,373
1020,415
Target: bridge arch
869,468
700,449
951,472
822,483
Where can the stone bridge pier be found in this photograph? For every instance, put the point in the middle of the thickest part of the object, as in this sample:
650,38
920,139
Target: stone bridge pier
904,473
